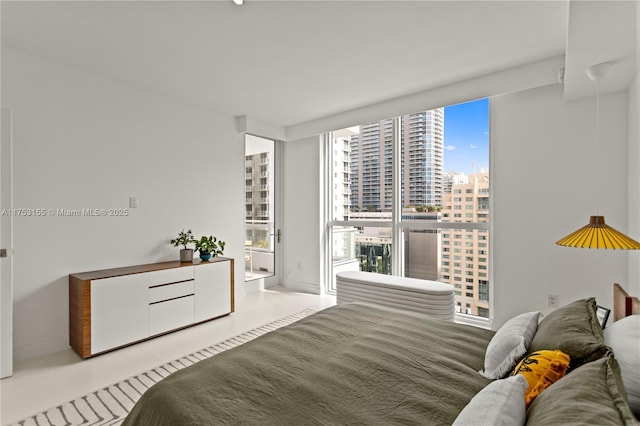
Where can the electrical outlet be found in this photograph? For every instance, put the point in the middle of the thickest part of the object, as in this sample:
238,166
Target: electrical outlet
552,300
133,202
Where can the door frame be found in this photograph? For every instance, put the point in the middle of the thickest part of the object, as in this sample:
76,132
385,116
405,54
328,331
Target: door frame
275,279
6,242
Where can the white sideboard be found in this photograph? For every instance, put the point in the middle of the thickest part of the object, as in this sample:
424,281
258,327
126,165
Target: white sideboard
116,307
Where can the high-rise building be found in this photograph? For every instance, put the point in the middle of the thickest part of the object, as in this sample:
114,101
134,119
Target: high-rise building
258,183
422,158
259,180
341,179
371,166
465,253
451,178
422,140
422,247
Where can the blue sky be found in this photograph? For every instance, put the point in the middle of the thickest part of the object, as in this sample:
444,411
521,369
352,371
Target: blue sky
466,136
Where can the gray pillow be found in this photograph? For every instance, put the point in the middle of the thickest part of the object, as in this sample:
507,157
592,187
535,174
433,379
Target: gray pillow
623,336
592,394
509,345
575,330
500,403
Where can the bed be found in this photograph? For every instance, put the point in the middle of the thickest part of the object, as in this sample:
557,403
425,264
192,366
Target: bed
349,364
359,363
624,304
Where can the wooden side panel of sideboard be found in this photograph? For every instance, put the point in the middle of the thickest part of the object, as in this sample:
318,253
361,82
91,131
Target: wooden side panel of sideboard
80,316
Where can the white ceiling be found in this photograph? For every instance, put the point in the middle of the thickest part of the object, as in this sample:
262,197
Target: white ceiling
602,31
289,62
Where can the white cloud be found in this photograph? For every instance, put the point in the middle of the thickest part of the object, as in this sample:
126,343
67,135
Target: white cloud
472,146
450,147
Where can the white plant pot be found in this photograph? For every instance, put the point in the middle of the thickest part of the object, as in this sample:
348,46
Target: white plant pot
186,255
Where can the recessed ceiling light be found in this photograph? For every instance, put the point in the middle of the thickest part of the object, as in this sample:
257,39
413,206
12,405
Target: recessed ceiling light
238,2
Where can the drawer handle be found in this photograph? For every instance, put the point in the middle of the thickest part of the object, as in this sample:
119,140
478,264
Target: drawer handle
176,282
173,298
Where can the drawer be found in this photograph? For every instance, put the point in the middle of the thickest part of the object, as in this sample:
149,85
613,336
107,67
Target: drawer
171,291
166,276
166,316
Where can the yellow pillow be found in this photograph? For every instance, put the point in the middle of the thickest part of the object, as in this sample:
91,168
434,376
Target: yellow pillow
541,369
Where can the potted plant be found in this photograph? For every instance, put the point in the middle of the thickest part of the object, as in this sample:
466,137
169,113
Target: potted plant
209,246
184,239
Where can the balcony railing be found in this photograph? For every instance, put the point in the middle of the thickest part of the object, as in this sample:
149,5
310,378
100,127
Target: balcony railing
259,248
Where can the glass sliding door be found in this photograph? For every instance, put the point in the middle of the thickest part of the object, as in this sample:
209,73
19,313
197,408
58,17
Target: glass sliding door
262,233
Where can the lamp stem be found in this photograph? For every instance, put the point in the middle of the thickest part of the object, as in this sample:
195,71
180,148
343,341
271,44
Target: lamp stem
597,145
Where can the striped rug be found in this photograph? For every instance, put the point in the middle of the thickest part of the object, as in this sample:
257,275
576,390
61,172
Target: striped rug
109,406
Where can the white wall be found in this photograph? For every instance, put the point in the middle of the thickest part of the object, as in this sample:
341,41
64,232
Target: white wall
81,141
302,215
633,284
522,77
543,151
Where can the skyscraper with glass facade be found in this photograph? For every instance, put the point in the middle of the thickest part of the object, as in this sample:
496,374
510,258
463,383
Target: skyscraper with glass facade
422,140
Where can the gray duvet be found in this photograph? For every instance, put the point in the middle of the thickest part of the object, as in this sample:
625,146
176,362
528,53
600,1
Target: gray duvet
349,364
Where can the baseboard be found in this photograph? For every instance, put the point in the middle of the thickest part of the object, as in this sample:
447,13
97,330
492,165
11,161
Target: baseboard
254,285
302,286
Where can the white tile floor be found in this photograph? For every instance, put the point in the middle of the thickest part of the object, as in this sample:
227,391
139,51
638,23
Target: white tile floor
42,383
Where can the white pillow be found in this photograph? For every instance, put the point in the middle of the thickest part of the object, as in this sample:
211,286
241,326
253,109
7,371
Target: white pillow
623,336
509,344
500,403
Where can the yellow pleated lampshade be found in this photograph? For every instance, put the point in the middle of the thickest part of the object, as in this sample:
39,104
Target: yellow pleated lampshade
598,235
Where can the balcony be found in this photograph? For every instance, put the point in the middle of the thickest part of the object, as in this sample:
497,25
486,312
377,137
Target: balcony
259,249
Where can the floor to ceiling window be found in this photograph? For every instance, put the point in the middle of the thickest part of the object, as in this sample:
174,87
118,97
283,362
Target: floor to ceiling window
426,218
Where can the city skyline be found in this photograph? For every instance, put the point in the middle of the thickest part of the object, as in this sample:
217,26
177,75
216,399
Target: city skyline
466,136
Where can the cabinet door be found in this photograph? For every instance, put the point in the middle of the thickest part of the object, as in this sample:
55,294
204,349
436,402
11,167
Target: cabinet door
212,290
119,311
170,315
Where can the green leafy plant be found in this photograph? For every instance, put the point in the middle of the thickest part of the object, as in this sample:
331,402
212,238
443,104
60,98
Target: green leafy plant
210,244
183,239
